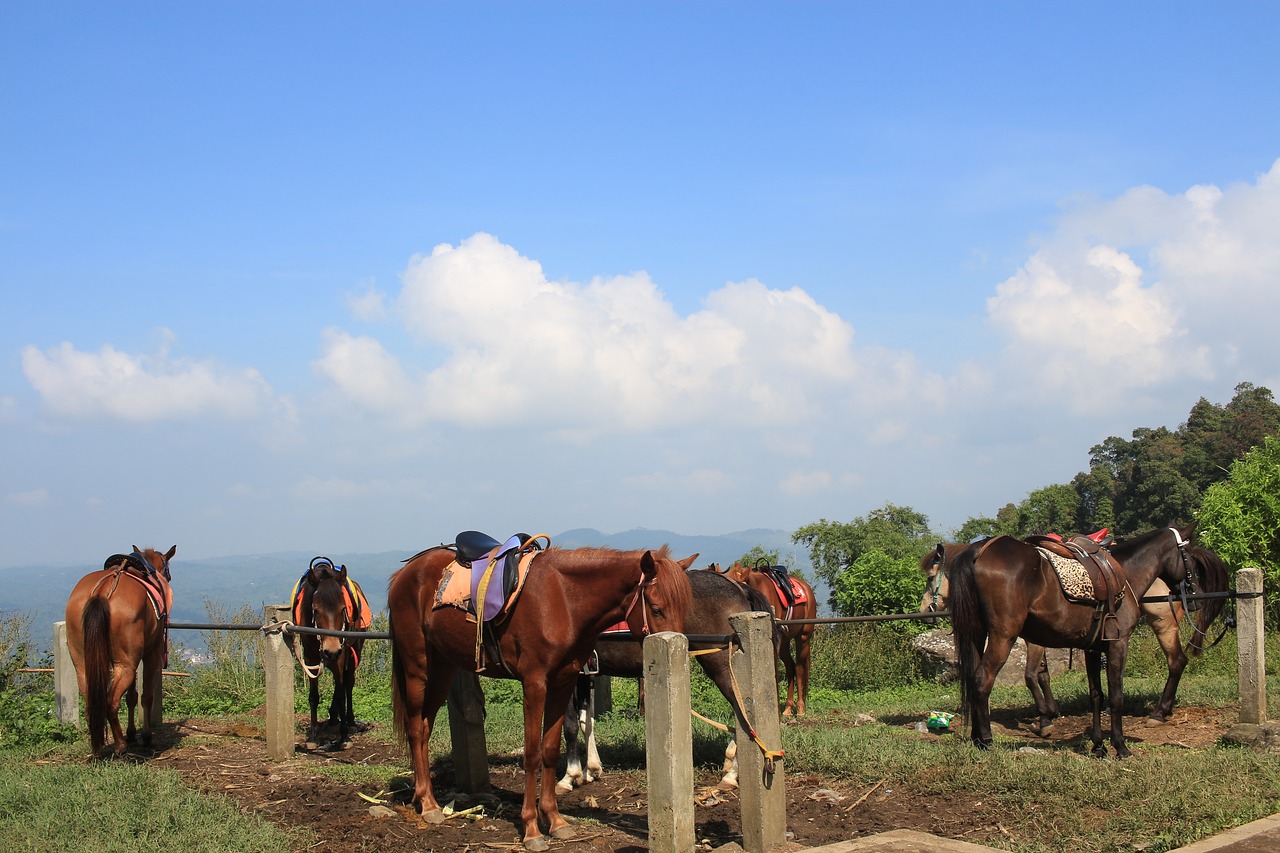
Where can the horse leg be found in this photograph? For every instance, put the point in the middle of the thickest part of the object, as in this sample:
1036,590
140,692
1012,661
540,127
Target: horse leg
536,728
122,683
595,769
789,666
984,679
152,666
1165,625
131,704
313,697
574,722
557,697
803,643
730,768
1036,675
1093,666
435,690
1116,657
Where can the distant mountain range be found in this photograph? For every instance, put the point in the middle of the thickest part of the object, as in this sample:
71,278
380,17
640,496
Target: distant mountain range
223,585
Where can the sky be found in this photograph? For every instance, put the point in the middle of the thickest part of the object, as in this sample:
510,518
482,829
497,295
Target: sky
354,277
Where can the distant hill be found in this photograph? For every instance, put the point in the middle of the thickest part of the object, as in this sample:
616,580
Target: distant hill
228,583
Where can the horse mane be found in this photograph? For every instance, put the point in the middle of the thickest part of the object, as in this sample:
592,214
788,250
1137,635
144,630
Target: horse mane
1214,577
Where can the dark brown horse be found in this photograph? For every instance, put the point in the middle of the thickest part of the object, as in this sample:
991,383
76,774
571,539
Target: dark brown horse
715,599
805,606
326,598
1164,618
568,599
116,618
1004,588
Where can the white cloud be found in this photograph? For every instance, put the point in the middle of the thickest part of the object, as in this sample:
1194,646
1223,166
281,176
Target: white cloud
1146,291
611,354
32,498
370,305
805,483
141,387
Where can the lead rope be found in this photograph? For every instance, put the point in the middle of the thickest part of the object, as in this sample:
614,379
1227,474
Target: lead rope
770,755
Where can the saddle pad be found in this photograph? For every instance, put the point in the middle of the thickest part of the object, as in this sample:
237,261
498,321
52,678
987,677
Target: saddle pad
353,596
457,588
1071,573
798,594
157,588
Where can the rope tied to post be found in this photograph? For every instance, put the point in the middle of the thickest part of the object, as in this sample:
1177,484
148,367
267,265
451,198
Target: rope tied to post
284,626
770,755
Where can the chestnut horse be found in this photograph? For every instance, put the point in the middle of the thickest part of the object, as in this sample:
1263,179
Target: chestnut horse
796,664
569,597
1004,588
326,598
1163,617
116,618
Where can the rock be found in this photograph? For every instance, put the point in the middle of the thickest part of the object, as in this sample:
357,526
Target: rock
938,646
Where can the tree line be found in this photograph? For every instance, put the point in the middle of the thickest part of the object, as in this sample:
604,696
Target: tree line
1220,468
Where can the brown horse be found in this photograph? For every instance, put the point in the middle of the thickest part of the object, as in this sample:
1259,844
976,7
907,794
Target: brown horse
1164,618
569,597
805,606
1004,588
116,618
326,598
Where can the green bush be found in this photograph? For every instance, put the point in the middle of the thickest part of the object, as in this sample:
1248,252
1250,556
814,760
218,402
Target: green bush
28,708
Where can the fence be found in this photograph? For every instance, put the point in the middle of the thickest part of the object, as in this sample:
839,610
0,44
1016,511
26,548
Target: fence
667,711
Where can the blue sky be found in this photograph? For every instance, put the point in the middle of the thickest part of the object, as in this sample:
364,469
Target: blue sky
354,277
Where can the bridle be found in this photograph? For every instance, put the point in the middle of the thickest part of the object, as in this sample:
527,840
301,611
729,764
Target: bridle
640,597
934,584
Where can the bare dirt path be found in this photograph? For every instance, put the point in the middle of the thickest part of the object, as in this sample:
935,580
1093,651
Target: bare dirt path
611,813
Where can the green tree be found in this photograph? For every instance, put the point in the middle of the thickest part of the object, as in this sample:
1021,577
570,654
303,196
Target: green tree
898,533
1240,517
877,583
1052,509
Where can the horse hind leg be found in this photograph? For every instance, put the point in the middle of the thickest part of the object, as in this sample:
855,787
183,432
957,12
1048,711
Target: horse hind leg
1037,678
789,666
1165,627
575,723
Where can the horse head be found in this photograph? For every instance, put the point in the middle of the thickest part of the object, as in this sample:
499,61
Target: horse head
663,595
325,586
936,587
157,561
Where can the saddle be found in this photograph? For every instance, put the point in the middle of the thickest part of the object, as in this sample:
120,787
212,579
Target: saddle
789,592
361,616
1100,583
158,590
485,581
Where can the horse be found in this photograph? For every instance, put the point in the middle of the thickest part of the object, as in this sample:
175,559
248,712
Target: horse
1163,617
1004,588
117,617
325,597
715,599
804,606
569,596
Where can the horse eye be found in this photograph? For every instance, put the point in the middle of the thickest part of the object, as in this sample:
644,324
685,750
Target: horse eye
657,611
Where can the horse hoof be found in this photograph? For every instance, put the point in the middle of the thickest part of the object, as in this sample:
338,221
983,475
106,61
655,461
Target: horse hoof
433,816
562,788
1045,731
537,844
563,833
1099,752
1156,719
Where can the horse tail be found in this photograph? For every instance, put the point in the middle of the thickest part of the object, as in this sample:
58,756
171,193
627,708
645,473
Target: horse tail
1213,578
95,621
967,624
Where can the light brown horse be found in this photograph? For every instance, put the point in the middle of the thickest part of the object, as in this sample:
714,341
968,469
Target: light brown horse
796,639
116,618
1164,617
568,599
1004,589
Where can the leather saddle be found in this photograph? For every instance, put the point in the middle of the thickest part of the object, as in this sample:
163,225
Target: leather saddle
1106,576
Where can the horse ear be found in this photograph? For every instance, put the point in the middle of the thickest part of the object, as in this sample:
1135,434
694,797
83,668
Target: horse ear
342,574
688,561
648,565
169,554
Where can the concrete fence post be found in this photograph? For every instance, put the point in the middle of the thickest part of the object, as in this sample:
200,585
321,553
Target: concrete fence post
1252,648
276,652
66,688
762,787
466,732
669,743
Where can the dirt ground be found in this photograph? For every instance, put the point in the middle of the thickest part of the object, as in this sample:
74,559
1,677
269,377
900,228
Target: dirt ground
610,813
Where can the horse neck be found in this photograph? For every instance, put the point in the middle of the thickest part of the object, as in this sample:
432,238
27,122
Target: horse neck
1147,562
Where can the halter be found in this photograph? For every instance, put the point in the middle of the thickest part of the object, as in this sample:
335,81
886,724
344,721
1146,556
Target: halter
346,615
935,582
639,598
